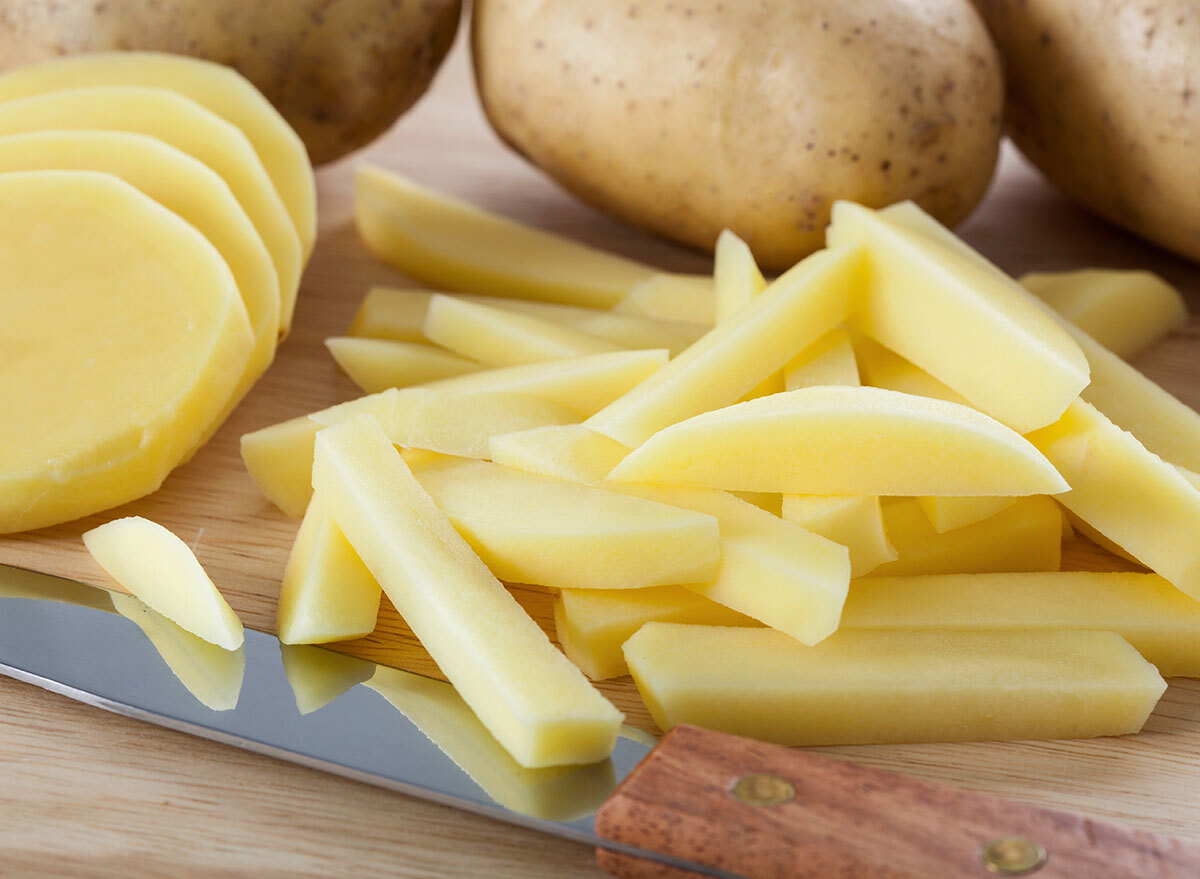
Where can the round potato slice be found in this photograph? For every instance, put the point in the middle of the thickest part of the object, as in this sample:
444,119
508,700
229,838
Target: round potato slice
185,125
124,336
216,87
181,185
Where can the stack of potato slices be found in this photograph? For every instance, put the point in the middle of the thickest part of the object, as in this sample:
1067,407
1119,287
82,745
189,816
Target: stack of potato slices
825,509
158,214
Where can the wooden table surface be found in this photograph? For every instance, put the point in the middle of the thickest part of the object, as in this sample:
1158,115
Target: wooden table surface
86,793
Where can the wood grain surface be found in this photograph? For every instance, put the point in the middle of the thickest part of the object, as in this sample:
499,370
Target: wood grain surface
86,793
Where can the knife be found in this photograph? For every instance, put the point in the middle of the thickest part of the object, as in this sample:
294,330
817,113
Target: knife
696,803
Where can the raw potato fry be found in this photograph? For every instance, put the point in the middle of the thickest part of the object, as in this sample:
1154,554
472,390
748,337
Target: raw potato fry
187,126
496,337
947,513
1025,537
854,522
455,246
157,567
327,592
556,793
564,451
828,361
1127,493
672,297
844,441
378,364
976,330
736,278
1124,311
210,673
533,529
886,369
319,676
529,696
872,687
386,313
593,624
279,460
794,311
462,424
1159,621
83,430
216,87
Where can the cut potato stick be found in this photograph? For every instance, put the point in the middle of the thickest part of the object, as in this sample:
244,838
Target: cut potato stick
378,364
529,696
872,687
533,529
672,297
462,424
1127,493
151,563
736,278
453,245
496,337
327,592
279,460
1159,621
828,361
844,441
854,522
947,513
794,311
1124,311
976,330
319,676
390,313
882,368
1026,536
566,451
593,624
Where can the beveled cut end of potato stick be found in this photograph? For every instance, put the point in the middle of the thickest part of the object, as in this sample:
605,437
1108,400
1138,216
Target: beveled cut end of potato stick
736,278
947,513
563,451
672,297
795,310
452,245
854,522
934,301
378,364
387,313
154,565
529,696
844,441
279,460
883,687
828,361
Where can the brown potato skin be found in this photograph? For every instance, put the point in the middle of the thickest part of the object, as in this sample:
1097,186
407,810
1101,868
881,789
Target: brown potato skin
340,71
691,116
1104,97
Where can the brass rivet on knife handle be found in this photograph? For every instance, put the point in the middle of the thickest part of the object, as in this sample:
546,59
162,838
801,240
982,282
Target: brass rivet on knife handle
1013,856
761,789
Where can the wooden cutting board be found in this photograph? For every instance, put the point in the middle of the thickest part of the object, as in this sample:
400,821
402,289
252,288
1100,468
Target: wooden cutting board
1148,780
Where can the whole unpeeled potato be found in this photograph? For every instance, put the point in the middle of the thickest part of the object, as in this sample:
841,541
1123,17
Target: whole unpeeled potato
691,116
1104,97
340,72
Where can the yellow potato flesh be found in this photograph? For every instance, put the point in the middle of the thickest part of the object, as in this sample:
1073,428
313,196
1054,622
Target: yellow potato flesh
183,186
452,245
947,513
387,313
1128,494
533,529
151,563
878,687
828,361
555,793
593,624
495,337
672,297
124,338
279,460
564,451
528,695
854,522
882,368
1159,621
1126,312
210,673
216,87
843,441
327,592
736,278
976,330
462,424
794,311
378,364
188,127
318,676
1026,536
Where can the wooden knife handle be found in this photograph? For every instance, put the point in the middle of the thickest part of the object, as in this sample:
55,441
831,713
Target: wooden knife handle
767,812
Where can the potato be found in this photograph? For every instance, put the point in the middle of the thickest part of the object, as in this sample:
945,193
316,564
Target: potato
340,73
687,118
1105,104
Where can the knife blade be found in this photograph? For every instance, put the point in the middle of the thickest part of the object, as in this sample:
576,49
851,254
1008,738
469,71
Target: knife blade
696,804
